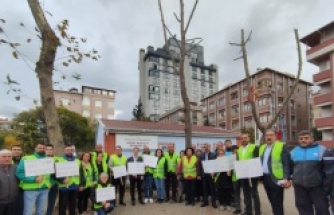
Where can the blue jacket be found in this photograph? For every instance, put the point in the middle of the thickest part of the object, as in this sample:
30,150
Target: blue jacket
307,165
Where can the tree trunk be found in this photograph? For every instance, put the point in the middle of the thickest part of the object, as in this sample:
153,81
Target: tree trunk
44,71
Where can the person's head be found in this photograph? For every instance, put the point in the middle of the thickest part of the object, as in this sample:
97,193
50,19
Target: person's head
99,157
146,149
189,151
219,145
245,138
158,153
193,146
135,151
270,136
305,138
49,150
206,148
103,177
171,148
16,150
182,153
220,152
235,149
98,148
198,152
85,157
69,150
228,144
5,157
118,150
40,149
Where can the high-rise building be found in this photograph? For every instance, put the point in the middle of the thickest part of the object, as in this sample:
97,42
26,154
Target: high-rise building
229,107
159,84
320,52
93,103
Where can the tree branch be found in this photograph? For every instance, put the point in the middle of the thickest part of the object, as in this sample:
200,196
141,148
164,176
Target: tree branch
177,19
163,21
191,15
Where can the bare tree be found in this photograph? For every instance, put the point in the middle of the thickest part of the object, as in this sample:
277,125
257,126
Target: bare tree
251,99
184,26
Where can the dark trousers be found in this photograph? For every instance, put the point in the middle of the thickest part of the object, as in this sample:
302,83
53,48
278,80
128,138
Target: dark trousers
120,188
250,191
224,196
53,193
20,203
208,188
83,197
199,189
171,179
275,194
67,199
310,201
136,182
8,208
189,187
236,195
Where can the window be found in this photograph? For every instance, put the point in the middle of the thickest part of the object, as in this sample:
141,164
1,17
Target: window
211,86
221,113
247,107
86,113
234,95
195,75
153,73
98,103
154,59
104,92
279,87
110,116
248,121
235,109
202,83
85,101
263,118
245,92
155,104
98,116
87,90
280,101
110,105
65,102
111,93
222,125
210,73
194,69
166,75
292,104
166,90
176,92
211,117
221,101
152,88
262,101
211,105
97,92
154,96
235,124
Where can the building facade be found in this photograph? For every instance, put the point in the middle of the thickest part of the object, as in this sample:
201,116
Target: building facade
5,124
92,103
159,84
320,52
229,108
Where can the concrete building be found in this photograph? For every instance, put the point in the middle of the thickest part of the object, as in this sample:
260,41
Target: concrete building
159,85
93,103
320,52
176,115
229,108
5,124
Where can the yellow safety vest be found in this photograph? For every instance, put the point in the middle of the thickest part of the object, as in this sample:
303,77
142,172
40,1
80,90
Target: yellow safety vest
189,168
276,158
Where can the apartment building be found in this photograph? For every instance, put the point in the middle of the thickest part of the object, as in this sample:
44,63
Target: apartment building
320,52
159,84
229,107
93,103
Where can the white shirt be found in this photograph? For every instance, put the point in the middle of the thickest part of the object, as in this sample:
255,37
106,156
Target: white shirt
266,155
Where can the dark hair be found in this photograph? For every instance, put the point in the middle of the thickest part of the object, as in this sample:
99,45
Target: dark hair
83,154
305,132
49,145
68,145
183,151
192,150
228,140
156,152
40,143
16,145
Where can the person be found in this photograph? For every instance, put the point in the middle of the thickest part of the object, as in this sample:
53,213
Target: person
308,175
87,180
228,147
207,180
16,158
248,151
136,180
328,165
53,192
99,165
233,150
199,187
8,184
104,207
159,175
118,159
223,183
180,187
276,170
219,145
35,188
189,168
148,179
68,186
171,178
98,150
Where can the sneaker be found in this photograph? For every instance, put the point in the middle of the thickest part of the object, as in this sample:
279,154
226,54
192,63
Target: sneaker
222,208
145,200
150,200
237,212
229,208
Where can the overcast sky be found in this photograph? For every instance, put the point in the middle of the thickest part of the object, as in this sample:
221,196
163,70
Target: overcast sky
119,28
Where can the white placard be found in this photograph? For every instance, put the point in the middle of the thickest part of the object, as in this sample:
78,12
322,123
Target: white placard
248,168
210,166
135,168
131,141
119,171
105,194
39,167
150,161
65,169
225,163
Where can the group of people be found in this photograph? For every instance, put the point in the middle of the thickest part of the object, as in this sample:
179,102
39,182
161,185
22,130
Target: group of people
309,166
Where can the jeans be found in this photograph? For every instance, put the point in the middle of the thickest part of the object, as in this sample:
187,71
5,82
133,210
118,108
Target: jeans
250,191
148,189
104,211
160,185
53,193
36,198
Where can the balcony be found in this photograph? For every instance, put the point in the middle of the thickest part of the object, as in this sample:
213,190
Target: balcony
324,122
322,76
323,99
263,109
320,50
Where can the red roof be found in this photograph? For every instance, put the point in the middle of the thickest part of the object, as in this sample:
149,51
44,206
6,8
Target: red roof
163,127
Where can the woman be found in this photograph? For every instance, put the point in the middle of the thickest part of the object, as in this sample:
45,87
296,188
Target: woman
148,180
87,178
199,184
159,176
180,189
223,181
189,169
100,166
104,207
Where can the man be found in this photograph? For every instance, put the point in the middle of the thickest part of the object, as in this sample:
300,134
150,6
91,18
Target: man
249,186
148,178
98,149
207,179
8,184
68,186
136,180
171,178
308,176
228,147
328,160
16,153
118,159
53,192
219,145
276,170
35,188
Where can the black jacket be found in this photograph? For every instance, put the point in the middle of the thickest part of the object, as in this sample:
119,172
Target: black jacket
131,159
211,156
